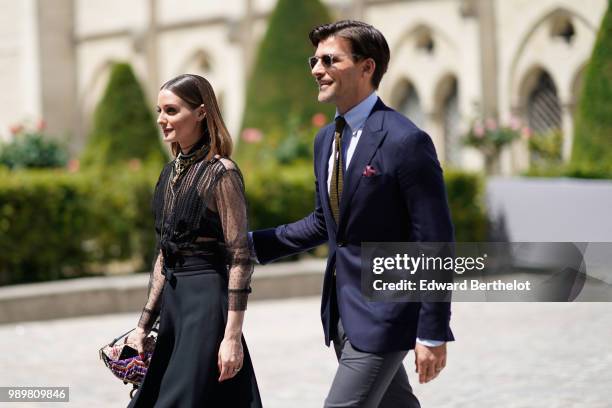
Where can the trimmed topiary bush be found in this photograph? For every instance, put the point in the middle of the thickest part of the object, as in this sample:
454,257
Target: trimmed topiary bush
592,148
123,126
281,92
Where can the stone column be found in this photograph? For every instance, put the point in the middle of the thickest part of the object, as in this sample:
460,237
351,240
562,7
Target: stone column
151,52
567,127
56,72
488,57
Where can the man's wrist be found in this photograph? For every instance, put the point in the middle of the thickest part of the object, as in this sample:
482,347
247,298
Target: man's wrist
429,342
252,252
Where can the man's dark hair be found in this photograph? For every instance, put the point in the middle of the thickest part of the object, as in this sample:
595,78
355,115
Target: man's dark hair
366,42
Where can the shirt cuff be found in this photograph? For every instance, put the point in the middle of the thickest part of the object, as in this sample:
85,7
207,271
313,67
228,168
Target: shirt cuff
252,252
430,343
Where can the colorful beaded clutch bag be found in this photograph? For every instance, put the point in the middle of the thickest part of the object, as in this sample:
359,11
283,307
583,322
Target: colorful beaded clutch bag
124,362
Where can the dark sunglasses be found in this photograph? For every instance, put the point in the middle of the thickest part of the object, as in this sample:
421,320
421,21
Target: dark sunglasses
327,60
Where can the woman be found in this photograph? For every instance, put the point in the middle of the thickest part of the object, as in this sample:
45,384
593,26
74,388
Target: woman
200,282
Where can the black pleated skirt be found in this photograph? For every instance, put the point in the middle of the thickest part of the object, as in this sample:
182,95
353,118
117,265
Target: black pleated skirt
183,372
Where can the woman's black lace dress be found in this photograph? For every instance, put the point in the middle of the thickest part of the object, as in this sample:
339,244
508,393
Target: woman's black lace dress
201,226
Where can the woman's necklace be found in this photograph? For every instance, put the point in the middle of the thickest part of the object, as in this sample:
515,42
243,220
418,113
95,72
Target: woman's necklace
184,161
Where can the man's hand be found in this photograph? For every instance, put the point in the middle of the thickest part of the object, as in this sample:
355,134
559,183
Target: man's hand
429,361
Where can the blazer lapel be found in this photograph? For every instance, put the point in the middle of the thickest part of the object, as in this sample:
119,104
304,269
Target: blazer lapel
371,137
324,171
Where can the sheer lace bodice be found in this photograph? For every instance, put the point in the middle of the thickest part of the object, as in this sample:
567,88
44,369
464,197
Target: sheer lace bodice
203,208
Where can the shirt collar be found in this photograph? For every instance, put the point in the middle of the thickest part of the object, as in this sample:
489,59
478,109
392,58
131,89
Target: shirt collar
357,116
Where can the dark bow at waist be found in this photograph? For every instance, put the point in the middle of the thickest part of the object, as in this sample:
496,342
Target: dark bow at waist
206,255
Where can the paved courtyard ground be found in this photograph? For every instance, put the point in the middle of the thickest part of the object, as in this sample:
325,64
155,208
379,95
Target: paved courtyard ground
507,355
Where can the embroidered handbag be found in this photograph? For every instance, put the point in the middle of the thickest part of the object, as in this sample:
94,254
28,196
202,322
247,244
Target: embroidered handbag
124,362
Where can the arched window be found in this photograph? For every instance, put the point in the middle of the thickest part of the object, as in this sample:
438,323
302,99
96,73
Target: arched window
543,107
409,103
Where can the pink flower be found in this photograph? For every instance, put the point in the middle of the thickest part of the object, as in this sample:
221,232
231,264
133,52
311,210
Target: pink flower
134,164
252,135
319,119
479,130
73,165
16,129
491,124
515,123
526,133
41,125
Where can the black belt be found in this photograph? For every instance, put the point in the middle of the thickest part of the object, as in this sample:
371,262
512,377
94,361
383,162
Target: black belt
190,265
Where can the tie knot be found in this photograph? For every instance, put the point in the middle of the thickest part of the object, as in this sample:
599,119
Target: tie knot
340,123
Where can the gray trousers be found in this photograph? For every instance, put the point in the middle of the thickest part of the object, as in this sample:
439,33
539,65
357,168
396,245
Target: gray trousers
368,380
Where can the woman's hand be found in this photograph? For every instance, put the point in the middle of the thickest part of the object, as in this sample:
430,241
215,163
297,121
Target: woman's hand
230,357
136,340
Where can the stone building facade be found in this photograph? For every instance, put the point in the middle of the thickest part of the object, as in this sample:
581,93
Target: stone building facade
452,61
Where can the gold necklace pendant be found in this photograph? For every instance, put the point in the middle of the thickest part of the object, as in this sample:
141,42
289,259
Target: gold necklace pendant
182,163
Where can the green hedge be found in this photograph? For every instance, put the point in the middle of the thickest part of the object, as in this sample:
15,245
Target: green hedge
44,217
282,194
55,224
466,201
588,170
279,194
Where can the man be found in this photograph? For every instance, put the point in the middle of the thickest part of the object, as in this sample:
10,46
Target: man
377,180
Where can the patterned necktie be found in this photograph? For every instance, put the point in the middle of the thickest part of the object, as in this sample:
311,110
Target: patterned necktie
335,188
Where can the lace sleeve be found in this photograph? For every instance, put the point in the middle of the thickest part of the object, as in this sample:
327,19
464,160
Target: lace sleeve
156,284
231,204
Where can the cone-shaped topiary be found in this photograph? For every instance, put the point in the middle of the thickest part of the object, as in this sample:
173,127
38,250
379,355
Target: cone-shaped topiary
281,89
123,126
592,149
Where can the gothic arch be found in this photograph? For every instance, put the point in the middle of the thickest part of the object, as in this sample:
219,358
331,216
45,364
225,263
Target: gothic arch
406,98
526,37
197,62
419,30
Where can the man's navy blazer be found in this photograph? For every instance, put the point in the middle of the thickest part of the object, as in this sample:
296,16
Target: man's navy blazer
404,201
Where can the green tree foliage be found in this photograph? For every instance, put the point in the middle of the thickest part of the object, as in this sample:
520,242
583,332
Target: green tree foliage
123,125
592,148
281,90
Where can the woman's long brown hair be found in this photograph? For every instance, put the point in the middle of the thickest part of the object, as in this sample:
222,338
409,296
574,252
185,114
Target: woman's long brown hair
195,91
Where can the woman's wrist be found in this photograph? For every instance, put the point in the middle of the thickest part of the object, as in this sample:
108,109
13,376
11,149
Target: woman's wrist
233,334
